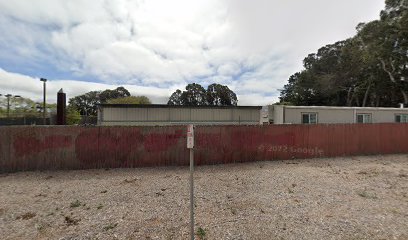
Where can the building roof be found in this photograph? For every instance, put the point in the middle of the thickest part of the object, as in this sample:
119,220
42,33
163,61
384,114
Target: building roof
175,106
345,108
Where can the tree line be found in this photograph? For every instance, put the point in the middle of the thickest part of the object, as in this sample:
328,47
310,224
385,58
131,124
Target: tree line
21,106
86,104
196,95
369,69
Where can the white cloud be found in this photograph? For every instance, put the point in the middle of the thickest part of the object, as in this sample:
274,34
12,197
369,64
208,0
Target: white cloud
253,46
32,87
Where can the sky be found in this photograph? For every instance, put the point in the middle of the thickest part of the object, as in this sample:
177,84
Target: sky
153,47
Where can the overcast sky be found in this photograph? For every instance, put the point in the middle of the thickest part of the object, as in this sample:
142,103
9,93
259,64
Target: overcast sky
153,47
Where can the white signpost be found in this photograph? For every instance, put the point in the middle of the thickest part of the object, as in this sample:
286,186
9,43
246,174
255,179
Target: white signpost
190,145
190,136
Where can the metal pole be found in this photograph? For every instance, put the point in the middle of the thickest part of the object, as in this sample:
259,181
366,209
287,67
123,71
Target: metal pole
44,121
192,193
44,80
8,106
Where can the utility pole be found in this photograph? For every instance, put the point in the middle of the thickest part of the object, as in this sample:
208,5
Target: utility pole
44,80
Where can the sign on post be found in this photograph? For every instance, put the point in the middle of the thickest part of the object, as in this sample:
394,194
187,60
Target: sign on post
190,145
190,136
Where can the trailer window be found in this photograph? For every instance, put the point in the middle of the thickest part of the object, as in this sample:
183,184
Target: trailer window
401,118
309,118
364,118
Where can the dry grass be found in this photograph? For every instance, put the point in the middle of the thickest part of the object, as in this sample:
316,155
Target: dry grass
342,198
26,216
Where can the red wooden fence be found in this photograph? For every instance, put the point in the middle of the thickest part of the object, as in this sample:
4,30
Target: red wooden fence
63,147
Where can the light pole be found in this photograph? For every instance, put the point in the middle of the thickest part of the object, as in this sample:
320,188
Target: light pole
44,80
8,96
8,104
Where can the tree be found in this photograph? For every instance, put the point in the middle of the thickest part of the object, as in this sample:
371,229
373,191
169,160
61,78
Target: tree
73,116
302,90
387,42
369,69
20,106
175,98
108,94
196,95
130,100
220,95
87,103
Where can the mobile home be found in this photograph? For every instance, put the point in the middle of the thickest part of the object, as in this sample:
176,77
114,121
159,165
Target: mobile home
281,114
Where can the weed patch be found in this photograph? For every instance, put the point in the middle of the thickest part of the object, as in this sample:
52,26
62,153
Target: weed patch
130,181
26,216
201,234
75,204
110,226
71,221
366,194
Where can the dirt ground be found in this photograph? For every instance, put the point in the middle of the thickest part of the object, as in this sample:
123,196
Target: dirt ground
341,198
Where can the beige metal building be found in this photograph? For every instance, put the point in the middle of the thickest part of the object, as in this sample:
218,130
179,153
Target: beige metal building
158,115
280,114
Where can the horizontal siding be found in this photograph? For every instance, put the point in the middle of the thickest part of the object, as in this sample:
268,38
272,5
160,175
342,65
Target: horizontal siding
174,123
173,116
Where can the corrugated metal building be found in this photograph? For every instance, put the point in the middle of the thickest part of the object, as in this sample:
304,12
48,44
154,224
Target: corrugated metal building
159,115
280,114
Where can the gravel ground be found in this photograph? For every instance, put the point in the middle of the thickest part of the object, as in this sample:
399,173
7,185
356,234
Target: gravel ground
340,198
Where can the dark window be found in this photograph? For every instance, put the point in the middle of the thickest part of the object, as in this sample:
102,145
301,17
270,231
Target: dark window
309,118
305,118
360,118
364,118
401,118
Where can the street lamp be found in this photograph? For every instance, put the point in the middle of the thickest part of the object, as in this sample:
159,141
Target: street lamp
8,96
44,92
